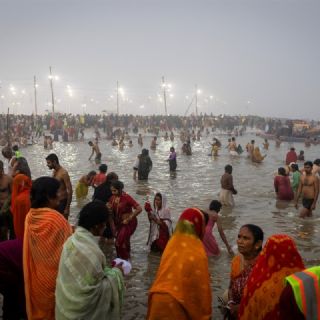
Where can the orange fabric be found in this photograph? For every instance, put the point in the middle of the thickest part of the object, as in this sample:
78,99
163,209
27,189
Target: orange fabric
183,276
236,266
20,202
278,259
46,230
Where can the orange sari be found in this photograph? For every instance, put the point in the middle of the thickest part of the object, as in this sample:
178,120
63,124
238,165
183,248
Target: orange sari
46,230
278,259
181,289
20,202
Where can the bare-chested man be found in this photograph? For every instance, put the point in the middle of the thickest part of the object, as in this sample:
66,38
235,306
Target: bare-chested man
309,188
95,150
65,190
5,190
232,146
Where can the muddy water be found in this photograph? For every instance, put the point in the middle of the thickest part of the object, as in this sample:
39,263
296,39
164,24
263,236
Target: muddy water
195,183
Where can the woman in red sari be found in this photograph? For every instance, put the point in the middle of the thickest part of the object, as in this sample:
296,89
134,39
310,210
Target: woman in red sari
261,296
124,222
20,202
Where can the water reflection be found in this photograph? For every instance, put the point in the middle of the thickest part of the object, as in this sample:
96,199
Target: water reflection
196,182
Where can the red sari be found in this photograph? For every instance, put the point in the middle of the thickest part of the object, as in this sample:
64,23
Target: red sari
20,202
121,206
278,259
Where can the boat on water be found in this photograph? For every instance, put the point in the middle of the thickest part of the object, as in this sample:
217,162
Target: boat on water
296,131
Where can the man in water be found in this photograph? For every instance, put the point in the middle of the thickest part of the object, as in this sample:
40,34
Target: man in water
65,190
250,149
309,188
96,150
227,188
233,147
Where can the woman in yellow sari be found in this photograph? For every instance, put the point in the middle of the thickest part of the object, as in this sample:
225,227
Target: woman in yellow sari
257,156
181,289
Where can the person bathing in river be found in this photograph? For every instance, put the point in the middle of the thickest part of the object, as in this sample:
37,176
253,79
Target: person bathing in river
209,241
309,188
83,185
257,156
95,150
145,165
160,223
227,188
172,159
282,186
301,156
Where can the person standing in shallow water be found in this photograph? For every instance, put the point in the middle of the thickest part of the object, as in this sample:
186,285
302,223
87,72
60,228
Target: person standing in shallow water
65,190
309,188
95,150
227,188
145,165
172,159
124,223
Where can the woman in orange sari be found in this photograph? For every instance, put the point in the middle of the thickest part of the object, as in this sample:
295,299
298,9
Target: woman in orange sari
46,230
181,289
278,259
20,202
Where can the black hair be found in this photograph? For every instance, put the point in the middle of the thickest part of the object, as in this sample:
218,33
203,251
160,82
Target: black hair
256,232
53,157
172,149
103,168
295,166
92,173
252,141
112,176
215,205
118,185
15,148
90,143
206,217
228,168
23,166
308,163
145,152
301,152
158,194
316,162
43,189
282,171
92,214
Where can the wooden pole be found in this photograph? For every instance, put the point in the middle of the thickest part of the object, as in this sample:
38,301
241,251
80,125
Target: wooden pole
117,97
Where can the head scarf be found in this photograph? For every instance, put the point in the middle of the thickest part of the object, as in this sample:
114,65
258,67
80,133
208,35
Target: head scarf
183,272
278,259
193,217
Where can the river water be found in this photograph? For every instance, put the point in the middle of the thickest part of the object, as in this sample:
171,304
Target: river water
196,183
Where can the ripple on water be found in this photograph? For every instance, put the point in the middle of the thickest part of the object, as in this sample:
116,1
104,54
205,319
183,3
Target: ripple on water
195,183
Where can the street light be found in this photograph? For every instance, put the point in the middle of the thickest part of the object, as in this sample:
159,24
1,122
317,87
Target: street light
51,78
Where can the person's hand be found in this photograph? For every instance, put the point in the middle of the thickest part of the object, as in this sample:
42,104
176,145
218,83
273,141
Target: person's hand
230,251
109,206
233,308
313,206
119,266
147,206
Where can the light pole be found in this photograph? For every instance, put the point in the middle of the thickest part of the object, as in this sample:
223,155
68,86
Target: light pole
117,97
35,95
51,86
164,96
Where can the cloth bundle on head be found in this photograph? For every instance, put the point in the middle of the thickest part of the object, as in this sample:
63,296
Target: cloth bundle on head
183,275
278,259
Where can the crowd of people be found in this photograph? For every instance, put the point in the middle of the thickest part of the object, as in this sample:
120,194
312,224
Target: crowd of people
50,269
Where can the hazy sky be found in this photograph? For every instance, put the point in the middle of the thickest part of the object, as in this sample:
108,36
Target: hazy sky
257,57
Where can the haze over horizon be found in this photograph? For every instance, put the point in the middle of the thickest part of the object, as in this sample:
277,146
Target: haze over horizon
246,57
